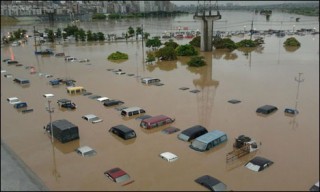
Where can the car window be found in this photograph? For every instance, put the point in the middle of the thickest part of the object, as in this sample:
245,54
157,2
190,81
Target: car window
122,178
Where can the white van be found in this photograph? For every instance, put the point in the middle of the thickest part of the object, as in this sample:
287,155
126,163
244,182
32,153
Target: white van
128,112
149,80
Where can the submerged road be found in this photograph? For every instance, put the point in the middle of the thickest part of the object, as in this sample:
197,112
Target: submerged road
16,175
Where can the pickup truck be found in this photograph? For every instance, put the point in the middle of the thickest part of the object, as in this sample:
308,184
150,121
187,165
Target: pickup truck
66,103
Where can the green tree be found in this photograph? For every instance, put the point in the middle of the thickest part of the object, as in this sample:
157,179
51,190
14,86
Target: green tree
99,16
58,33
154,42
89,36
130,31
171,43
146,35
101,36
186,50
95,36
166,53
82,35
225,43
150,57
196,61
291,41
50,36
196,41
118,56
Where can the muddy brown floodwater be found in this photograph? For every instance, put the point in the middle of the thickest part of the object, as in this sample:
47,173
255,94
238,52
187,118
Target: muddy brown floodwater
265,76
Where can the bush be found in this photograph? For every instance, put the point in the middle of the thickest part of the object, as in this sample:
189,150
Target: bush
219,43
166,53
118,56
186,50
196,41
196,61
292,42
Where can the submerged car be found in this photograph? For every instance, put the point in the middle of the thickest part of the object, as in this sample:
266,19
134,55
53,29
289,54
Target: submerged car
168,156
102,99
117,175
92,118
258,164
170,130
192,133
66,103
266,109
86,151
13,100
113,102
123,131
211,183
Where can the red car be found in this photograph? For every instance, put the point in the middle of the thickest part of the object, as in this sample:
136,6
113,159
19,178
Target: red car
117,175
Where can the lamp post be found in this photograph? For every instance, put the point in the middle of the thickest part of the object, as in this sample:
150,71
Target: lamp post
293,28
50,110
299,80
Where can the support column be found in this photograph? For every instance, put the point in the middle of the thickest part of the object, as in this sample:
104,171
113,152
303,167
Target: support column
206,30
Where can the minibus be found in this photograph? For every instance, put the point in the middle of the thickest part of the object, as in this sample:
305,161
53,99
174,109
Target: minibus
156,121
128,112
21,81
75,90
208,140
149,80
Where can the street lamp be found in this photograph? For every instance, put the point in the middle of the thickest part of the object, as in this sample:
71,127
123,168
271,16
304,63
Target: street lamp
293,28
50,110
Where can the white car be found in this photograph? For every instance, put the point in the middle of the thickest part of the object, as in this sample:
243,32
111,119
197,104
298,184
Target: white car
120,73
103,99
13,100
92,118
86,151
3,71
170,157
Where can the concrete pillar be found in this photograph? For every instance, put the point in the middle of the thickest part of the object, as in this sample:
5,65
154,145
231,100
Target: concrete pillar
206,30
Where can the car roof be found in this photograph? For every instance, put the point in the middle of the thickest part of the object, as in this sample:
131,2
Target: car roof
89,116
12,98
169,156
155,118
212,135
211,181
102,98
267,107
84,149
131,109
189,131
116,172
260,161
123,128
64,100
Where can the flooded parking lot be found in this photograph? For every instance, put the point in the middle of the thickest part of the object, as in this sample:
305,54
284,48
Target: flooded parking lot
256,79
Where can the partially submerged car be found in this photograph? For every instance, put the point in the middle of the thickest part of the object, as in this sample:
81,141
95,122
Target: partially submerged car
315,187
112,102
102,99
13,100
211,183
86,151
192,133
123,131
170,130
66,103
209,140
84,60
266,109
117,175
92,118
168,156
258,164
291,111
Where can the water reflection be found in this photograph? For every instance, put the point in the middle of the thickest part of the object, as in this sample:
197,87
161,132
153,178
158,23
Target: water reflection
291,48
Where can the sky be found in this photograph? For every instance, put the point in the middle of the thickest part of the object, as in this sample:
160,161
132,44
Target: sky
179,3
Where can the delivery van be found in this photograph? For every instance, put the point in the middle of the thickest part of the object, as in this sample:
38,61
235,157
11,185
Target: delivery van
156,121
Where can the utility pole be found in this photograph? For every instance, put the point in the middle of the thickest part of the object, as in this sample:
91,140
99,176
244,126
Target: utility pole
50,110
251,29
34,37
299,80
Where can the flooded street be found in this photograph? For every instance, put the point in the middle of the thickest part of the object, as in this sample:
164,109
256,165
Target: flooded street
262,77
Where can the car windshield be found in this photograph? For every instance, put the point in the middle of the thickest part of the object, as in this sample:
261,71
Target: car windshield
219,187
253,167
183,137
122,178
199,145
90,153
94,119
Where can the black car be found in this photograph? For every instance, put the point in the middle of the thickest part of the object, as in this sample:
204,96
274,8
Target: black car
211,183
66,103
109,103
192,133
258,164
123,131
266,109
